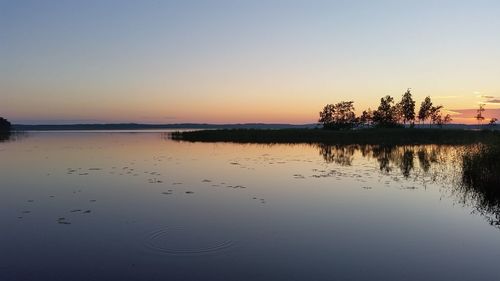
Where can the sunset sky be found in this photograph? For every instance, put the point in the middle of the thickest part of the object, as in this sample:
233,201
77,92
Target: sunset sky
242,61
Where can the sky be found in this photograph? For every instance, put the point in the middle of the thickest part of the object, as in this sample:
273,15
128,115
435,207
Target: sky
236,61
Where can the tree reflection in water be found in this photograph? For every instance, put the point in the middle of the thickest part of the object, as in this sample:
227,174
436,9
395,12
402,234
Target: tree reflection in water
472,172
340,154
390,157
5,136
480,181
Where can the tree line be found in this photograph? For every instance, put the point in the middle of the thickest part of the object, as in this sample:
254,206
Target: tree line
389,114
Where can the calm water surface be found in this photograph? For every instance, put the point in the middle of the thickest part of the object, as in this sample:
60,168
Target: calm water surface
138,206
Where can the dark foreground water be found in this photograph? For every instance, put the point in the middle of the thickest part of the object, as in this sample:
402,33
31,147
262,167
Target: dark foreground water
138,206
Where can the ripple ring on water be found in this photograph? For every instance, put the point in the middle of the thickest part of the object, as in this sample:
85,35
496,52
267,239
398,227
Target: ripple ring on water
154,239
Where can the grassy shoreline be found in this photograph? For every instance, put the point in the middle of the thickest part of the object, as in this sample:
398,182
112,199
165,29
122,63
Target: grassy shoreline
364,136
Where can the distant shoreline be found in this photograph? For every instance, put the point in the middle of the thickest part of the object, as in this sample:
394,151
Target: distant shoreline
136,126
362,136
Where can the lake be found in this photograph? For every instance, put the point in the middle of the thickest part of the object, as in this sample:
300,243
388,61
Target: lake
140,206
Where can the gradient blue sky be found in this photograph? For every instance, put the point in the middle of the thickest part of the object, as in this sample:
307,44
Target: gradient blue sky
241,61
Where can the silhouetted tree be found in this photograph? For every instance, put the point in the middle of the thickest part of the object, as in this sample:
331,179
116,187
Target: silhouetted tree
442,120
387,114
437,117
407,107
326,115
493,122
435,114
425,109
338,116
366,117
479,115
5,125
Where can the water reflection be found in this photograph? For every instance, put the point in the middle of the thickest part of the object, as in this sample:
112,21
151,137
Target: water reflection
5,136
12,136
480,181
472,172
340,154
149,208
390,157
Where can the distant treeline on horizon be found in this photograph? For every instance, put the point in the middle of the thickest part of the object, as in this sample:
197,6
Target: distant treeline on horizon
137,126
339,116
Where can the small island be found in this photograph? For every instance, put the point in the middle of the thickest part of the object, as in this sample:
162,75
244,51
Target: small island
390,124
376,136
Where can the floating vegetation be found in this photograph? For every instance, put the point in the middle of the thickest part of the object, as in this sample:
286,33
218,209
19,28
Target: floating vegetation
330,173
261,200
154,181
62,220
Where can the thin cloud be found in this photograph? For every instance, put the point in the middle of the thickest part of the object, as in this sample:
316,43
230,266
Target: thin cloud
481,96
493,101
451,112
445,97
487,97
